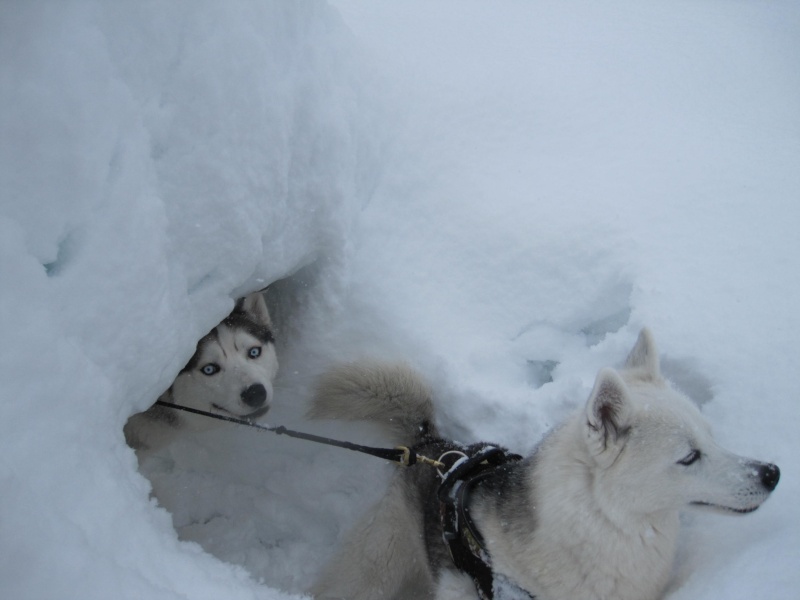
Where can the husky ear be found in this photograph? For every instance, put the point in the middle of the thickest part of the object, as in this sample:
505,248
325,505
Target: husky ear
254,306
607,417
644,356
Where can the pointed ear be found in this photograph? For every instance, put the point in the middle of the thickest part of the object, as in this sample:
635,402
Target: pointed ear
644,355
254,306
608,413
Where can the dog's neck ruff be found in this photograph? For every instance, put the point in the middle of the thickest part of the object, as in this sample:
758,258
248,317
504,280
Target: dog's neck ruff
460,534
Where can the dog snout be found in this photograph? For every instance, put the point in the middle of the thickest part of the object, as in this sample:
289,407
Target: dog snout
769,475
255,395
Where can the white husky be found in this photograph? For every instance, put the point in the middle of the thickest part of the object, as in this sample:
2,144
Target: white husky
230,373
591,514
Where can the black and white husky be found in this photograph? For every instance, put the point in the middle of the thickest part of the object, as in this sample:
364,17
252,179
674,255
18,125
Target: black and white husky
592,514
231,373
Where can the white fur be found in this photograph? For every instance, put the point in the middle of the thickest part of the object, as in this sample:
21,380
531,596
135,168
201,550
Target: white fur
228,350
597,516
386,560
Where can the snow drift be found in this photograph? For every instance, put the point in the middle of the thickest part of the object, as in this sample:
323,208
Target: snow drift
501,194
156,161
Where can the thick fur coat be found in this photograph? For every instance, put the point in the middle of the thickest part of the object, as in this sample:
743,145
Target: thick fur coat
592,514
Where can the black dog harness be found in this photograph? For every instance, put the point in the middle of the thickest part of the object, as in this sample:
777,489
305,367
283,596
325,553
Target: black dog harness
460,534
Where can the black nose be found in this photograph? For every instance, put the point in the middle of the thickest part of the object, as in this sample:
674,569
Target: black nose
255,395
769,475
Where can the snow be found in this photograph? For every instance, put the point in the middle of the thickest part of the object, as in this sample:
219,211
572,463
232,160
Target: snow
501,194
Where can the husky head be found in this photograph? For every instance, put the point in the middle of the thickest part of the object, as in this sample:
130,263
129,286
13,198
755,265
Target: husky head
232,370
653,451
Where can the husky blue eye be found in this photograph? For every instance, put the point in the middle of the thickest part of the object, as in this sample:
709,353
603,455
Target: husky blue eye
690,458
210,369
254,352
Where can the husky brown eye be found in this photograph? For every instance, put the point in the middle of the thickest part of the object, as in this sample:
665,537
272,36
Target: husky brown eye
210,369
254,352
690,458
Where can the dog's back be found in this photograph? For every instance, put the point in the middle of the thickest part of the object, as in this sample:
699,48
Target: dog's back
397,551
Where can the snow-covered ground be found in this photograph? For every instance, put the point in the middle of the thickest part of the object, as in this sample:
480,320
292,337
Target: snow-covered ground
500,193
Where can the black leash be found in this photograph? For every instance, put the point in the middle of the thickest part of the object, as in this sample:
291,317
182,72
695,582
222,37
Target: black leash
401,454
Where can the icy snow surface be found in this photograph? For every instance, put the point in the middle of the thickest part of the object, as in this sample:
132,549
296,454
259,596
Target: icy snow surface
500,193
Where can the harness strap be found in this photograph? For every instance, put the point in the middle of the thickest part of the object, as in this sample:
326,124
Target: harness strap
460,534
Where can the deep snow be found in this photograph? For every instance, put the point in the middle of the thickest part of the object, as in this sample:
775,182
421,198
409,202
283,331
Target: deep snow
501,194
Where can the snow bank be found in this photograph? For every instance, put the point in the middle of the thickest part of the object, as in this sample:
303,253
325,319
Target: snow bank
156,161
501,194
